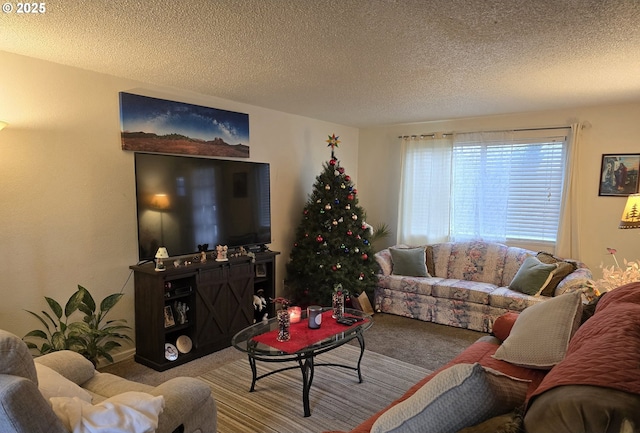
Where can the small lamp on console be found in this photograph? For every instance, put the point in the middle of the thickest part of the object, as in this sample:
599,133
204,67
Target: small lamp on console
631,214
161,254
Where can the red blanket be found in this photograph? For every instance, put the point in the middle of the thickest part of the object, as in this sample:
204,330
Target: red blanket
605,351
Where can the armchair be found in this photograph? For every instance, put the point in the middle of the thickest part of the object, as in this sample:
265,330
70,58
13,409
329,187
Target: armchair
188,404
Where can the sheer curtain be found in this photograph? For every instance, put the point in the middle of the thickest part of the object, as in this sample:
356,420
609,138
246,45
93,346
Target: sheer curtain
481,180
426,185
567,244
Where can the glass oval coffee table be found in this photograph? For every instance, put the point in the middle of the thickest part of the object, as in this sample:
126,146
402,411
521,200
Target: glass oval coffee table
259,342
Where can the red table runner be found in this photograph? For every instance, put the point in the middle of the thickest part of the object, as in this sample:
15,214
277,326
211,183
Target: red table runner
303,336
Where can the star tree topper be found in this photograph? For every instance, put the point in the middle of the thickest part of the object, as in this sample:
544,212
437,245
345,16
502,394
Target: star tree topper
333,143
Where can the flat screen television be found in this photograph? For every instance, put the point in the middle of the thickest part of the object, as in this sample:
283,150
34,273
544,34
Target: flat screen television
184,202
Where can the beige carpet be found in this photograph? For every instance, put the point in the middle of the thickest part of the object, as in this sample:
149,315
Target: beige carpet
337,400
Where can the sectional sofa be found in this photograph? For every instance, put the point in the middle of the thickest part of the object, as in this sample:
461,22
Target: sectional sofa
550,368
471,284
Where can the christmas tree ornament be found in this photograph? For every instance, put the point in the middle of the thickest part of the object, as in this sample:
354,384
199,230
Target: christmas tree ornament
348,207
343,186
334,222
349,233
327,206
327,187
354,217
365,256
319,238
350,197
336,201
347,178
332,162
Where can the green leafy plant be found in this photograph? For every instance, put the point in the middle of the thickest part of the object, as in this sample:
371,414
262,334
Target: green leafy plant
92,337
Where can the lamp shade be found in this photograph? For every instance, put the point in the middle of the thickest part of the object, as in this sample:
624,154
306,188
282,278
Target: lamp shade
631,214
162,253
160,202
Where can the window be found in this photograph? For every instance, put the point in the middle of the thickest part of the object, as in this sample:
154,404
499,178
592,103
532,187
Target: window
504,187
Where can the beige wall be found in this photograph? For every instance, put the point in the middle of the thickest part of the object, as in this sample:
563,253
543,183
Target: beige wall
67,207
613,129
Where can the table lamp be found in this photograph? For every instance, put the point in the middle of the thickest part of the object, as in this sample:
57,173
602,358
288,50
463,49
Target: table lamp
161,254
631,214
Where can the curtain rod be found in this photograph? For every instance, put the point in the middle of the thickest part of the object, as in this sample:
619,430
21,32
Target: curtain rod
444,134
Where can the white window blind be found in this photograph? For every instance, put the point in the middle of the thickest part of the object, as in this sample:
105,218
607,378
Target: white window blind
504,186
507,188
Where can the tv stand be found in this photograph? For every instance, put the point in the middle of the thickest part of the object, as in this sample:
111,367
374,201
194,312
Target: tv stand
218,297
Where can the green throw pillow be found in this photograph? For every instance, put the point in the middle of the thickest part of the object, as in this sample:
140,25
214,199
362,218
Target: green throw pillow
533,276
410,262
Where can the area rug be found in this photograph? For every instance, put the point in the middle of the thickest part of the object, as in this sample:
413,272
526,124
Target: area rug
337,400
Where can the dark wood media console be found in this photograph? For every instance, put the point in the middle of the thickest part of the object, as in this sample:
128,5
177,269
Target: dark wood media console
217,297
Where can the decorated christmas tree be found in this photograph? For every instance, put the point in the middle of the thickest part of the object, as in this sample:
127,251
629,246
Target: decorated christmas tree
333,240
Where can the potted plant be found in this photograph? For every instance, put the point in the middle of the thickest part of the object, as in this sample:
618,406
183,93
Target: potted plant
93,336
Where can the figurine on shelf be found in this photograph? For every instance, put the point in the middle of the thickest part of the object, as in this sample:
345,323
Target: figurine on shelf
203,252
259,306
181,309
222,253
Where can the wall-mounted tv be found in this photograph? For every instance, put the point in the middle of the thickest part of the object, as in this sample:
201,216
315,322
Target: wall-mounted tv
183,202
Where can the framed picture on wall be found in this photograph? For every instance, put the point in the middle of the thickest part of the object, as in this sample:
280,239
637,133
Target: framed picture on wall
619,174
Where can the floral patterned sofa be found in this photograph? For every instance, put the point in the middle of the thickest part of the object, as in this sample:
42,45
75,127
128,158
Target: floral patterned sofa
467,284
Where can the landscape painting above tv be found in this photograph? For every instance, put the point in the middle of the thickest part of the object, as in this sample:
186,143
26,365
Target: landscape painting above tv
161,126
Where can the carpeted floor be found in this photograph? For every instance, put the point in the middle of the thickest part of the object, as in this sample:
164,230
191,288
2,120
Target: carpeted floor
423,344
337,400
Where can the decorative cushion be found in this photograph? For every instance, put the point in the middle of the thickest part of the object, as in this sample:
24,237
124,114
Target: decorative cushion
533,277
540,336
431,265
503,325
410,262
53,384
460,396
565,267
123,413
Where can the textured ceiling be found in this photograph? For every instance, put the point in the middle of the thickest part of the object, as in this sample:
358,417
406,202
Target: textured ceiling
353,62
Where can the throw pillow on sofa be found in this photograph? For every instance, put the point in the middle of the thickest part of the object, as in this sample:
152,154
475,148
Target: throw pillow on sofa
460,396
565,267
53,384
410,262
533,277
541,333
